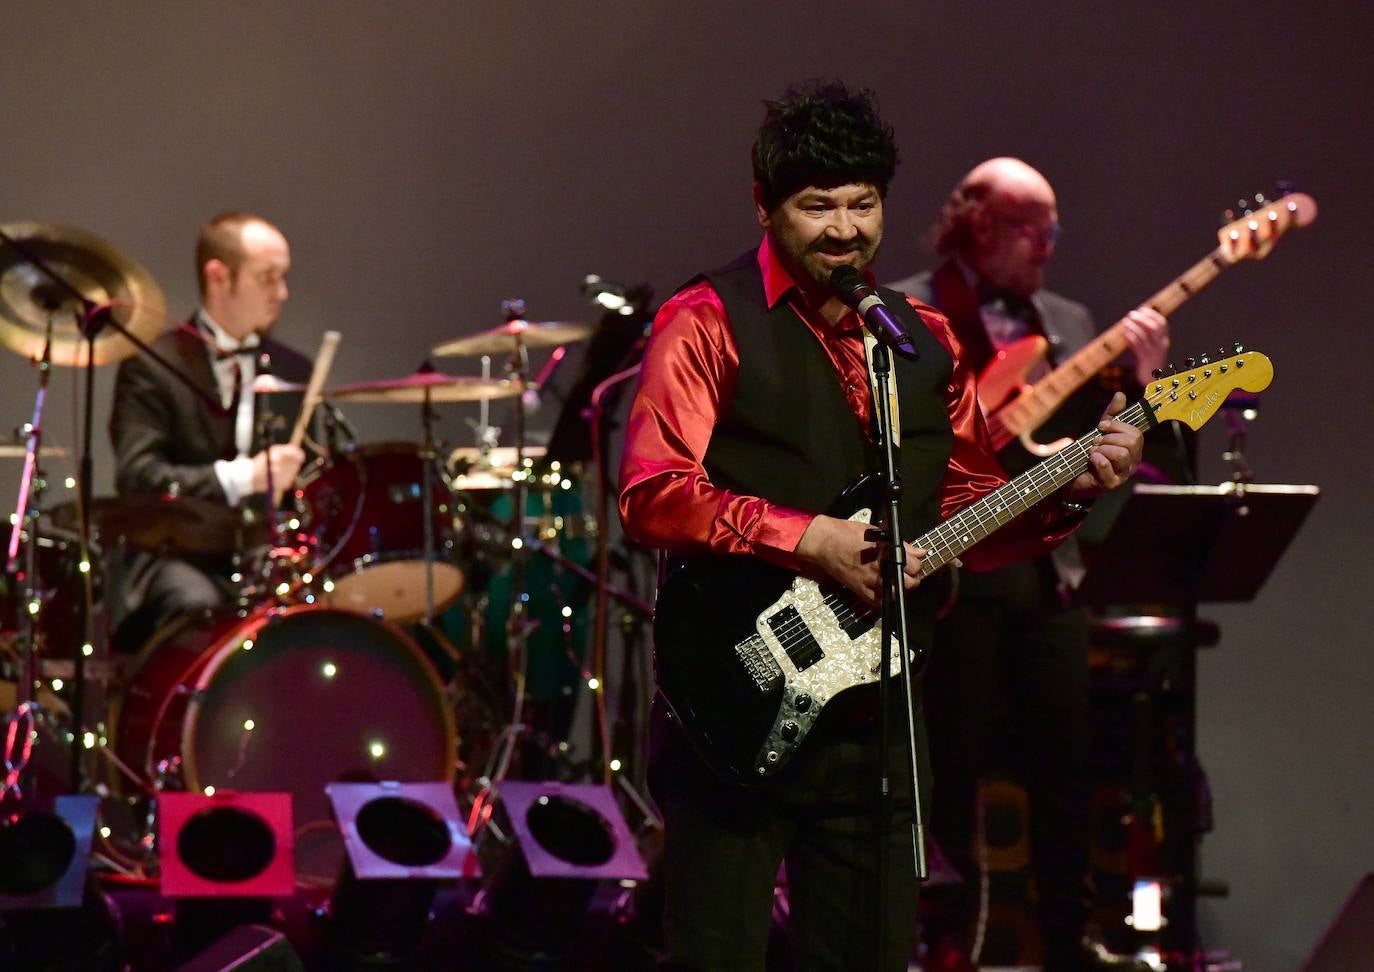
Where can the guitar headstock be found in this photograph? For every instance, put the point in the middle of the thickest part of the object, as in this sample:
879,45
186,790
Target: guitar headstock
1254,226
1195,395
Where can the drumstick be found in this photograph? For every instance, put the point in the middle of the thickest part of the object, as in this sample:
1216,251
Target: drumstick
312,391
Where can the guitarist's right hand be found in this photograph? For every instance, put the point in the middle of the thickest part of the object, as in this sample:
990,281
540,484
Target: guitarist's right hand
842,549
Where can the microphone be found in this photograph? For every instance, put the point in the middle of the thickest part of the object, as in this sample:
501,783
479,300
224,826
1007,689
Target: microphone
529,398
851,287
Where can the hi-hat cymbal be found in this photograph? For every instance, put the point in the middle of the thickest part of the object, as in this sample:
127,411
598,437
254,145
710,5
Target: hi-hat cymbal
13,450
422,386
181,524
99,273
493,468
271,384
532,334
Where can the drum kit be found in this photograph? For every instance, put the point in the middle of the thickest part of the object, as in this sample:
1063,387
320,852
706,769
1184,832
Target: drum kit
405,606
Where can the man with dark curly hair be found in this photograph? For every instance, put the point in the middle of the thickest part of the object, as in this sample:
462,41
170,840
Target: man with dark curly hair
753,412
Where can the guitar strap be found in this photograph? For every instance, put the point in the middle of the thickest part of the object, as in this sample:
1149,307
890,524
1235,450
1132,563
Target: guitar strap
870,342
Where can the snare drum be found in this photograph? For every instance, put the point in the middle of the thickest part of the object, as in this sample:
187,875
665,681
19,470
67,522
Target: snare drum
365,510
284,700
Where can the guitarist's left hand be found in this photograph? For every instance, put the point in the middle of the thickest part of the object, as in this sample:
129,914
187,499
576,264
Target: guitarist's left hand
1115,456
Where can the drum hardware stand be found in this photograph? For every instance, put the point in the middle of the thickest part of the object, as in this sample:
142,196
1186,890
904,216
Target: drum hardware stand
596,417
25,529
279,570
429,451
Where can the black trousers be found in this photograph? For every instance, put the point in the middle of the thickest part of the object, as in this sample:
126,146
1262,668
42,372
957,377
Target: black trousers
723,846
1011,650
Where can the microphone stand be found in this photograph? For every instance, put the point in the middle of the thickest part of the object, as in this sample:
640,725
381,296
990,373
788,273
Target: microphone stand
25,530
595,415
893,627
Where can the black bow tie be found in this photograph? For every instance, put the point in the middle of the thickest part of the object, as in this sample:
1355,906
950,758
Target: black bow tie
223,355
1014,304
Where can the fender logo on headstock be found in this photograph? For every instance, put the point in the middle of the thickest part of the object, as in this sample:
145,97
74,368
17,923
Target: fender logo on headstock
1200,413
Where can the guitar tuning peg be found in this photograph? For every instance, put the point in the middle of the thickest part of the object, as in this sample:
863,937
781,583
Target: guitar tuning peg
1206,359
1190,363
1157,374
1237,348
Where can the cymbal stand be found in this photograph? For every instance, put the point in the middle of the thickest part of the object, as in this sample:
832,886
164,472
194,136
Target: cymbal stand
280,553
517,630
428,453
25,531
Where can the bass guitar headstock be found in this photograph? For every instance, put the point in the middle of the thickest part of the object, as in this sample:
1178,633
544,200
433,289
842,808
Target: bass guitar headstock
1253,226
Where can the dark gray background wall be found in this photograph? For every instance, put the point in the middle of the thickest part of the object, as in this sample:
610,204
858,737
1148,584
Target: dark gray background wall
429,159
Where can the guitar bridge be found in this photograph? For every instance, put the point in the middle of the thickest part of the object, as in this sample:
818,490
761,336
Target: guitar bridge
758,661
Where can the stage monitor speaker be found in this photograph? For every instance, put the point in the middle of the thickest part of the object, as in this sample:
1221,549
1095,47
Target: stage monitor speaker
45,847
228,844
1349,943
248,948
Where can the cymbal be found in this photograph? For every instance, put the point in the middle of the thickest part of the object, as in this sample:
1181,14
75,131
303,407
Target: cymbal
13,450
270,384
493,470
96,270
424,386
532,334
181,524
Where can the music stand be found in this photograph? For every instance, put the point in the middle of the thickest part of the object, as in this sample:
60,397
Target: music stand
1165,550
1190,545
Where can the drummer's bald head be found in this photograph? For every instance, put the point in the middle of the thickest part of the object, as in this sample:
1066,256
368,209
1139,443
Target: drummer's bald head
222,239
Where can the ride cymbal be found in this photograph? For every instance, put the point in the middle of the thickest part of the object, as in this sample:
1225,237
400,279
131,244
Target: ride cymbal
532,334
98,273
431,386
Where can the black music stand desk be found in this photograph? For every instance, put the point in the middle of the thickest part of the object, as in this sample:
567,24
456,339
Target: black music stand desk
1152,554
1190,545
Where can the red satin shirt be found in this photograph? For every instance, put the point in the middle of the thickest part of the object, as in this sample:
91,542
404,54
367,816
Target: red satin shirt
689,373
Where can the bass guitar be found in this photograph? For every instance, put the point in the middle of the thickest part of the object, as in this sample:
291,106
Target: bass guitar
1016,409
748,655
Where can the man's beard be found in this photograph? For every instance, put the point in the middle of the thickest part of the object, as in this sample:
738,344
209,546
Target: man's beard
857,253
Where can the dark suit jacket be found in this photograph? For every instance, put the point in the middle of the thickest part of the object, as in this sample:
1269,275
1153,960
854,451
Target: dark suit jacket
1067,326
164,433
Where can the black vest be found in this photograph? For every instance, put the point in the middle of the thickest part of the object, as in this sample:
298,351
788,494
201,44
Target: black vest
787,433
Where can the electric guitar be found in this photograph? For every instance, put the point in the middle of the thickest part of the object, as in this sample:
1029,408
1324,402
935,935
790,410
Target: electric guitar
1016,409
747,655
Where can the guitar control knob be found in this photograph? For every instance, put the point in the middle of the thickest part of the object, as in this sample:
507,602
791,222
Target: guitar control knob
790,730
802,702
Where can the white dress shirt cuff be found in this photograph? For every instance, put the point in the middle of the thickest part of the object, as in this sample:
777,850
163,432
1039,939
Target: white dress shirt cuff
235,478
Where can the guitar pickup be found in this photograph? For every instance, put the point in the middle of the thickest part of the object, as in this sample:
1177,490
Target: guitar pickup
792,632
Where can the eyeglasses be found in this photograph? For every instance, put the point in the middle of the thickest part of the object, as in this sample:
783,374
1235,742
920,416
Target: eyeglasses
1035,232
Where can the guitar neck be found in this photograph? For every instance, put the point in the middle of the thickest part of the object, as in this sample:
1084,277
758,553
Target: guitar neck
952,537
1031,410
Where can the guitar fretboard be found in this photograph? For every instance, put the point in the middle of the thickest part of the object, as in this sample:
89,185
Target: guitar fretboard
961,531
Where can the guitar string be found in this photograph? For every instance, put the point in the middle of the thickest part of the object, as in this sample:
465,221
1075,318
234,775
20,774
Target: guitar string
980,520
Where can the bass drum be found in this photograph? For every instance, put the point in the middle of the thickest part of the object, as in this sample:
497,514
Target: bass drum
284,700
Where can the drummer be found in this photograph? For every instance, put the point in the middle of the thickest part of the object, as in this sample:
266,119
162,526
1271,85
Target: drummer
195,433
